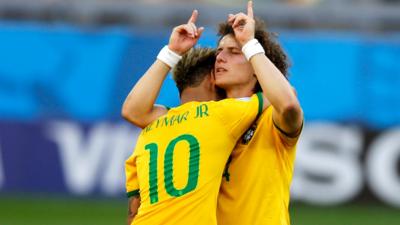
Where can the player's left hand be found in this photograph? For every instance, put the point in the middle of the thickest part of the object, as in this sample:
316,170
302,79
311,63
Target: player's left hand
243,24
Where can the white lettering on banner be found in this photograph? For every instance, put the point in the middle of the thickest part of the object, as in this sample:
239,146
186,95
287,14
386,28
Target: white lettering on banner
381,163
96,159
122,140
327,168
1,170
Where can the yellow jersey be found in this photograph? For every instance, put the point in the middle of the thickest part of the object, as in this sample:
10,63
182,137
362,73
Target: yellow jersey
179,160
256,185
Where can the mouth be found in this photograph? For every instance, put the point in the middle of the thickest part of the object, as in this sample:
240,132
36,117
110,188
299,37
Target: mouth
220,70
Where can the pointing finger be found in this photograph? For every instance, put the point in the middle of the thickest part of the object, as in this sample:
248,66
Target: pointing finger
250,9
194,28
193,18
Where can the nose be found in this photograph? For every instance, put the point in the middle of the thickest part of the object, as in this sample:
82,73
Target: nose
221,57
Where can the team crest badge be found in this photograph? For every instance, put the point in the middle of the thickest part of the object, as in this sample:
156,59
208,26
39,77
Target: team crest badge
248,135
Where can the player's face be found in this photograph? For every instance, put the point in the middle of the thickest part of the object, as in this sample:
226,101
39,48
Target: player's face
231,66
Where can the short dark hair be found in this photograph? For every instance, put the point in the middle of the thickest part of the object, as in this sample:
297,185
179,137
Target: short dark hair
194,66
272,49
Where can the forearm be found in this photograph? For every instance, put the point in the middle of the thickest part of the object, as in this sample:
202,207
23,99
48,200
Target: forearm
288,113
274,85
139,105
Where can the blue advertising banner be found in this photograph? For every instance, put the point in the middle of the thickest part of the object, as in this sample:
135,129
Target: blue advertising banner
58,72
350,78
65,157
84,75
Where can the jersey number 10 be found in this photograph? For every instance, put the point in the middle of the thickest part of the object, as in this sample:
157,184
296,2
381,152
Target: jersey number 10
194,158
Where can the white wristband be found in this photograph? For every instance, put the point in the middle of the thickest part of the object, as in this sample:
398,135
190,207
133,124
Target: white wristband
252,48
168,57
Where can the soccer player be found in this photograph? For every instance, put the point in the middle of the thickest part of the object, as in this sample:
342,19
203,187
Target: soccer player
255,189
176,169
257,179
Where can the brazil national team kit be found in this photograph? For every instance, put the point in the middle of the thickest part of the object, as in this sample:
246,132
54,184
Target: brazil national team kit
255,187
179,160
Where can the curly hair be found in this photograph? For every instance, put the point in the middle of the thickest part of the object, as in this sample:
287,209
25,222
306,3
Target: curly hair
273,50
194,66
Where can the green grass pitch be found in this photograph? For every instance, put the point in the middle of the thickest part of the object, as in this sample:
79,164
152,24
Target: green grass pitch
46,210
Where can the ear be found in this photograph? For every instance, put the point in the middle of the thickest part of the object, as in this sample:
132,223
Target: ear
209,81
212,77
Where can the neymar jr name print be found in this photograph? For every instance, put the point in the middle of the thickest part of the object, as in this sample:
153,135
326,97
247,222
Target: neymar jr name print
171,120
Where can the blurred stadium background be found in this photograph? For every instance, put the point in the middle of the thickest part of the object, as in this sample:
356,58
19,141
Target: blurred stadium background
66,67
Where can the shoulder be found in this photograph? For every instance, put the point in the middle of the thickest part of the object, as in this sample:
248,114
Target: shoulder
239,101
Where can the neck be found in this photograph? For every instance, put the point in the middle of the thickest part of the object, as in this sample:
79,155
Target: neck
240,91
196,94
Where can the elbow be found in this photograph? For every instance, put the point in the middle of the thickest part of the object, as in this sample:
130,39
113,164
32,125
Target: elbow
129,115
292,112
125,112
292,107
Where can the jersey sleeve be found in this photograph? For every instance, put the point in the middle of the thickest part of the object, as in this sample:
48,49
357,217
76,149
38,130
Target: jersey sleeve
132,183
238,114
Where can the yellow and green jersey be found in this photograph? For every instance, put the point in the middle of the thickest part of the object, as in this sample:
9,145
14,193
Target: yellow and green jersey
179,159
256,183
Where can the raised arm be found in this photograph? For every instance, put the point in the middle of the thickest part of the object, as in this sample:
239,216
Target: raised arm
287,113
139,107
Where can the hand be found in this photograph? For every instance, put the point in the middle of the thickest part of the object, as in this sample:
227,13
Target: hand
185,36
243,25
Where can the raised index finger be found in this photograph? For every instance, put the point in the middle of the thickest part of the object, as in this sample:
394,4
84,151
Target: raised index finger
250,9
193,18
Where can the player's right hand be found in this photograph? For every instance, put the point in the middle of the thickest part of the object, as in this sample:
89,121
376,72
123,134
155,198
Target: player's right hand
243,24
185,36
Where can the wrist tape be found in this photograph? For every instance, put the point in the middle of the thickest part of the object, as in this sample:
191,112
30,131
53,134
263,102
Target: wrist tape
252,48
168,57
